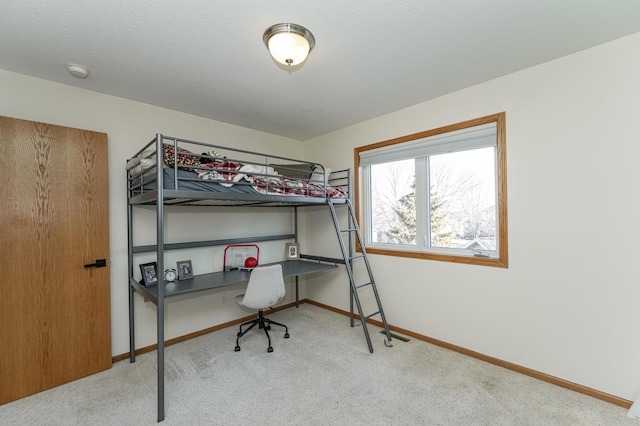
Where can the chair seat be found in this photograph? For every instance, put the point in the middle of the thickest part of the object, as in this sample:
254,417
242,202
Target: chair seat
268,304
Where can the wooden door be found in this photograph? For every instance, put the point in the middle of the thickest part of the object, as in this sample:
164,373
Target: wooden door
55,323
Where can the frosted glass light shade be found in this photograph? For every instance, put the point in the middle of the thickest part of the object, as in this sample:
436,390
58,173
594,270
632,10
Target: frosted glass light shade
288,48
289,44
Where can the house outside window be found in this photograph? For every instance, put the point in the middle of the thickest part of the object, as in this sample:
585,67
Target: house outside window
439,194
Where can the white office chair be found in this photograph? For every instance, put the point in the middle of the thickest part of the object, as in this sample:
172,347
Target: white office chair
265,289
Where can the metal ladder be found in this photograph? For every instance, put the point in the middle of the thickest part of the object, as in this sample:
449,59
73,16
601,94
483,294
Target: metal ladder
349,257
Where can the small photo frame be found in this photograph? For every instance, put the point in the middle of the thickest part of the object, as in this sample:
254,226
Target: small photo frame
149,274
185,270
293,251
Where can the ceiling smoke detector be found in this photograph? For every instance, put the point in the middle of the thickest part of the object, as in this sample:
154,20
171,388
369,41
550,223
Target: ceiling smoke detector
78,71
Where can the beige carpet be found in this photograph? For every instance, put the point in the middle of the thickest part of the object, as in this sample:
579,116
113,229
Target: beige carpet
323,375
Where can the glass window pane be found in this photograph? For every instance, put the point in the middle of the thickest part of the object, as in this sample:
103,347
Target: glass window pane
463,199
393,213
434,195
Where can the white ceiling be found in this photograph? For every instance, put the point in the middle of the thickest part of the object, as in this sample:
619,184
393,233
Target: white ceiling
371,57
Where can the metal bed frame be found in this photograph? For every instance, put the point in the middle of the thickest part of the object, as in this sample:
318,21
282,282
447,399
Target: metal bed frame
139,193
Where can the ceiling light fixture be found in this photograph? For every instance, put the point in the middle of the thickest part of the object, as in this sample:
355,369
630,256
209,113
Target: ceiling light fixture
289,44
78,71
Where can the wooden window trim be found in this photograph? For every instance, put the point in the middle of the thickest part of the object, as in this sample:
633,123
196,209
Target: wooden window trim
502,261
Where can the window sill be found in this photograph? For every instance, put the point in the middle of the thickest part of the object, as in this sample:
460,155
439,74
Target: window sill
469,260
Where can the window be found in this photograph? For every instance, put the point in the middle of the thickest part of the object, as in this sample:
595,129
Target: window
439,194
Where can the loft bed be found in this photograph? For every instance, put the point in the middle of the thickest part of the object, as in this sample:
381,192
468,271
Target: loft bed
230,176
222,176
170,171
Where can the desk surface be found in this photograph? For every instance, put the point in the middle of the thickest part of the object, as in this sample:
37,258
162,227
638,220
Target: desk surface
213,280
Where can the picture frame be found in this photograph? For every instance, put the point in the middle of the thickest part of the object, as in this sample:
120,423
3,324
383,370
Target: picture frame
293,251
149,274
185,270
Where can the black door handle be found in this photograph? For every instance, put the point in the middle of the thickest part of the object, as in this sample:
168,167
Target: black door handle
100,263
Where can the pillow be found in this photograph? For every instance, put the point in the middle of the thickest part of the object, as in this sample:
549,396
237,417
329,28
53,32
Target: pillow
318,177
131,163
294,171
136,160
143,165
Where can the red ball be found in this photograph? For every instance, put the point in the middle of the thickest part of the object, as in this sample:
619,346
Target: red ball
250,262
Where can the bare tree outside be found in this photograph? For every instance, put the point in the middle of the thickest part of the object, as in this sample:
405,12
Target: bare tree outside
461,201
473,203
392,182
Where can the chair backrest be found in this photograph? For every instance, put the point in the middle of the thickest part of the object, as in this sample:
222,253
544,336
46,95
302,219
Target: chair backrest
265,288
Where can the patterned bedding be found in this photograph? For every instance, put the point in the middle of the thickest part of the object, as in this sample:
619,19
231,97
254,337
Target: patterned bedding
195,172
265,180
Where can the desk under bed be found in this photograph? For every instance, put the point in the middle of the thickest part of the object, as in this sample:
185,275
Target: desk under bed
170,171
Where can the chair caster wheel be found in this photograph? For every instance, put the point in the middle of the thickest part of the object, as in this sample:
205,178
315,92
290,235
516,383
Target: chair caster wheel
286,335
268,327
270,349
239,334
237,349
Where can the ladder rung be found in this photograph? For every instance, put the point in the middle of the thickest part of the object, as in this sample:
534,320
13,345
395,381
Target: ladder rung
373,314
349,230
356,257
363,285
